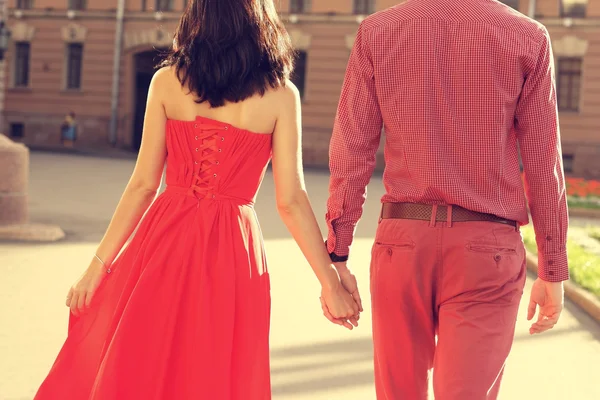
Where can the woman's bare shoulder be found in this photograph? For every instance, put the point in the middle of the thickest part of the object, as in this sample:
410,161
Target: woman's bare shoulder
166,79
288,92
285,96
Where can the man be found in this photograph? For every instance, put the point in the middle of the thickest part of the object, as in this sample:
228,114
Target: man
457,86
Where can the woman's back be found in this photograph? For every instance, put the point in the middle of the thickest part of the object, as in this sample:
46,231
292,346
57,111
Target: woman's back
214,153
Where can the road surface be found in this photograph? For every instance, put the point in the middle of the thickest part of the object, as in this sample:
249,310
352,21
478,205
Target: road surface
311,359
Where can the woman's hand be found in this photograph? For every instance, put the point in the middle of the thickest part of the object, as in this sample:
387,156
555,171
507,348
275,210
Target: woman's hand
81,294
349,282
338,305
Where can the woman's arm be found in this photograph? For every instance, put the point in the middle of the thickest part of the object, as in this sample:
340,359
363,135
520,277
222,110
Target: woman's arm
136,199
294,206
145,180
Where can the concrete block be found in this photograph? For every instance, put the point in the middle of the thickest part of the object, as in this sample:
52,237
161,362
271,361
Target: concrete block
13,209
31,233
14,174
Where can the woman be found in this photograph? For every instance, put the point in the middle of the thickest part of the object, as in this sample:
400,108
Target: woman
183,313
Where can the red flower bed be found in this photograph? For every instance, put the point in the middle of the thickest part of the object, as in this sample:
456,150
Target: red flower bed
582,188
578,187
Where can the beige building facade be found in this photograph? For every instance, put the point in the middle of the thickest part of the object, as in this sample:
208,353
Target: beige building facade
63,55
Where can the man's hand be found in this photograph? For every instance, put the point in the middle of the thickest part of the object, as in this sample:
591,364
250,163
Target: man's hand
549,296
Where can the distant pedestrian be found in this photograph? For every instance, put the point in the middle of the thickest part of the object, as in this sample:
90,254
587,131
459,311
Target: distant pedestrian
68,130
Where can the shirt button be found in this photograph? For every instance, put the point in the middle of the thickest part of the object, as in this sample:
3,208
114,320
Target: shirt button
196,138
213,196
216,162
550,262
226,127
215,175
549,238
220,150
195,125
195,162
196,149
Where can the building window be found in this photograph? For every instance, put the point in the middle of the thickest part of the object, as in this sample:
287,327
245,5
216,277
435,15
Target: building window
568,161
24,4
299,6
163,5
573,8
17,130
569,83
299,75
364,6
22,55
512,3
77,4
74,65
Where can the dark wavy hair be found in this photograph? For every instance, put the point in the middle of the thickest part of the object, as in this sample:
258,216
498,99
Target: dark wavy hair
229,50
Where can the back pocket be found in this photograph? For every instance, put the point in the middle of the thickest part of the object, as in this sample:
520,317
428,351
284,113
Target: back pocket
490,248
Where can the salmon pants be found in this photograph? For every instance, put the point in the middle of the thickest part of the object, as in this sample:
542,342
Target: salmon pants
460,282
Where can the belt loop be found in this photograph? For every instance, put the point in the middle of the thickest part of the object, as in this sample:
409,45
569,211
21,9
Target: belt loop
449,217
381,213
433,215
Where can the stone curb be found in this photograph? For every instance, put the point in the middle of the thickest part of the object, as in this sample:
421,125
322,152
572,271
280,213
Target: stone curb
31,233
581,297
109,153
584,212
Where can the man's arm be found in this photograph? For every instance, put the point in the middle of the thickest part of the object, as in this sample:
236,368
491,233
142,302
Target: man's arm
354,144
539,140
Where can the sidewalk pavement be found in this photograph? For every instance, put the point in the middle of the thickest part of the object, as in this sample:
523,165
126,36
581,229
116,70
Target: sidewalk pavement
85,151
311,358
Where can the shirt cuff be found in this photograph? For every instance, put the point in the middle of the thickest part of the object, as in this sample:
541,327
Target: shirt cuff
339,241
334,246
553,267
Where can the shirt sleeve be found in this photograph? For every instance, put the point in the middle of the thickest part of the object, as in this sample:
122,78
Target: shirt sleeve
353,147
536,124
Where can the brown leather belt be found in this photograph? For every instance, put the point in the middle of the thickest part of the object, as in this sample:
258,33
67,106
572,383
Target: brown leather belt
425,211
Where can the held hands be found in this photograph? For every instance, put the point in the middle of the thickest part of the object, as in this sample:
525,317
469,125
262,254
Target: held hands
549,296
341,302
81,293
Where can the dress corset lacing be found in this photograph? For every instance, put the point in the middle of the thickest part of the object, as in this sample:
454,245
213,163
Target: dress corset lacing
205,156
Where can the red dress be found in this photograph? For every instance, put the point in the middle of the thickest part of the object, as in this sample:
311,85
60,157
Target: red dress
185,313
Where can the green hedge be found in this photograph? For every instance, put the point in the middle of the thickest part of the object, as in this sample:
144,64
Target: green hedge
584,266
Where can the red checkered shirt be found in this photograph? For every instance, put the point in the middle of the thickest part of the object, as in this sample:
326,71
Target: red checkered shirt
459,87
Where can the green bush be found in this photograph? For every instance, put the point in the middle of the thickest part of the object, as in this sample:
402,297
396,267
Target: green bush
594,233
584,266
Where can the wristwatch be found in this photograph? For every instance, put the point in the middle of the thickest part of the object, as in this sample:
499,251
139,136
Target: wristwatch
335,258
